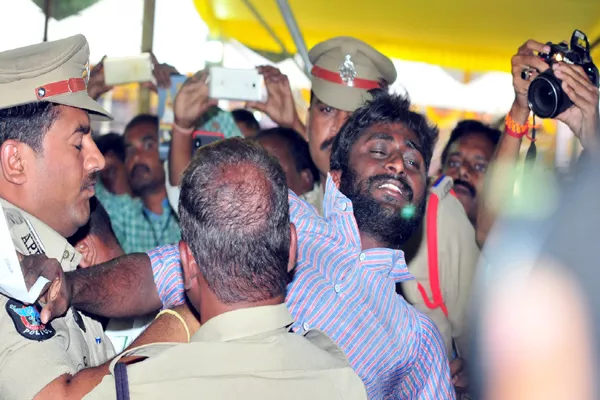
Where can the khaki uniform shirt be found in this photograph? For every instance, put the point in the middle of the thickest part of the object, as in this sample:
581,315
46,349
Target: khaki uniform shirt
242,354
458,254
33,354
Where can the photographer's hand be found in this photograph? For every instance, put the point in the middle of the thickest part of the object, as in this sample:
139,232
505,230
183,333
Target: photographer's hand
526,60
583,116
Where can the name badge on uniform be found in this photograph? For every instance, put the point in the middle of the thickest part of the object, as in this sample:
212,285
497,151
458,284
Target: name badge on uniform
27,321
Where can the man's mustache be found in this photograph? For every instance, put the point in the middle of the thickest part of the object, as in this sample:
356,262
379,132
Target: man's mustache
327,144
90,180
139,168
407,191
466,185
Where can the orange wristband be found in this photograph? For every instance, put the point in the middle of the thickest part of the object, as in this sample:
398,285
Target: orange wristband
515,127
512,133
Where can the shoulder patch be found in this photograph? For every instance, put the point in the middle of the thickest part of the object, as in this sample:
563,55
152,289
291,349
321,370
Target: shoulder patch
27,321
442,186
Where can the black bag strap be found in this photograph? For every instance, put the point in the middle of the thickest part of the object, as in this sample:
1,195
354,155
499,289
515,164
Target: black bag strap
121,381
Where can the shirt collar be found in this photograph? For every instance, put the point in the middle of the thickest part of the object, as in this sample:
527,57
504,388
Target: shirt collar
246,322
165,206
339,211
32,236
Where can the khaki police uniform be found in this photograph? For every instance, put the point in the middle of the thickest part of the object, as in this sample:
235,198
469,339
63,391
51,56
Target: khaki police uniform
315,197
457,254
247,353
33,354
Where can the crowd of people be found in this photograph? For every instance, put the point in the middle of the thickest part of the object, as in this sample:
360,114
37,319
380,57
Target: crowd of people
316,259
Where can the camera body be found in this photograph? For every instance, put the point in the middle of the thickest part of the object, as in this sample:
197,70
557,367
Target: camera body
546,97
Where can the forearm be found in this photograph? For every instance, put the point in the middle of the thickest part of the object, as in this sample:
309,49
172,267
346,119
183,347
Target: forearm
180,155
67,387
169,328
590,141
299,127
75,387
500,178
120,288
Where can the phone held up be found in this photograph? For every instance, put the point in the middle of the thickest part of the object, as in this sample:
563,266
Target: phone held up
235,84
122,70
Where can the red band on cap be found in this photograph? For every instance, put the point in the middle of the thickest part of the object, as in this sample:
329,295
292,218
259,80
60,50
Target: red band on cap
54,89
331,76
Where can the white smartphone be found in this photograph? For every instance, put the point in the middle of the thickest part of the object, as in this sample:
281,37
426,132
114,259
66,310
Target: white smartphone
121,70
235,84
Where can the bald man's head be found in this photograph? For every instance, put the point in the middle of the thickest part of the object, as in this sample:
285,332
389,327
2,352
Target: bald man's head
234,217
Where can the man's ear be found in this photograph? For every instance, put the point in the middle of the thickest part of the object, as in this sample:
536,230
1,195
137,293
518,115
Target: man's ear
293,247
336,176
308,181
12,161
87,248
189,266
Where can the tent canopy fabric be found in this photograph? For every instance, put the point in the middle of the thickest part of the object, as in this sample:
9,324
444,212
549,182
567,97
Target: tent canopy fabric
466,34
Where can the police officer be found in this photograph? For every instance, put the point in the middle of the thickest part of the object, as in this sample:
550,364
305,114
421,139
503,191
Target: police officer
47,165
443,257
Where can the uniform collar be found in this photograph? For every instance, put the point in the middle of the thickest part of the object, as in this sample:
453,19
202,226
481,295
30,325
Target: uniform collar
32,236
338,210
246,322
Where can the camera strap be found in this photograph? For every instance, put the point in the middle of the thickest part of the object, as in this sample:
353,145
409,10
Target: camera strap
532,151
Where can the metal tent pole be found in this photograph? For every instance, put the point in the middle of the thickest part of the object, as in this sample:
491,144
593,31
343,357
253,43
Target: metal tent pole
47,11
147,42
265,25
290,21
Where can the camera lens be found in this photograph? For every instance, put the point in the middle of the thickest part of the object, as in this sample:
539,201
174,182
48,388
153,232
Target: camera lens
546,97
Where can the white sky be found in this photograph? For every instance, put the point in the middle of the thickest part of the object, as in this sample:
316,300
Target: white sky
113,28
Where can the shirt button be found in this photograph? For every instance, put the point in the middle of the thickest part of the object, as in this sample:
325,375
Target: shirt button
344,206
337,288
305,326
362,257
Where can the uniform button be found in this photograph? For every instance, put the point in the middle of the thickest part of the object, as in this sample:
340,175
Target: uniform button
66,255
337,288
305,326
362,257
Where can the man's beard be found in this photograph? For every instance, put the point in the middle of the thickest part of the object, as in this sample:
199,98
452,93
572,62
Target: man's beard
384,224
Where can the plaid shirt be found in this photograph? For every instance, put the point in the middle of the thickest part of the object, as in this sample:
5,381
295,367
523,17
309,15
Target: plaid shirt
136,229
349,294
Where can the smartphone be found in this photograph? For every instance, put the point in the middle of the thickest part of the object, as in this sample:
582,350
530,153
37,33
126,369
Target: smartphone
235,84
202,138
121,70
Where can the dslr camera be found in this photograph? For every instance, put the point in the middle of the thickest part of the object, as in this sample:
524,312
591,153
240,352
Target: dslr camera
545,95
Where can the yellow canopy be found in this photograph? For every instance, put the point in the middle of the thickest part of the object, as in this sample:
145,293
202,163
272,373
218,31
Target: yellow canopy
466,34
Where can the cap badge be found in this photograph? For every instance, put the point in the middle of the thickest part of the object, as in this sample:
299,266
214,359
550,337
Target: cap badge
86,73
347,71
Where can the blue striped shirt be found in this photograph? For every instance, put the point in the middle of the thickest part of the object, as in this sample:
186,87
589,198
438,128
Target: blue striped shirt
350,294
